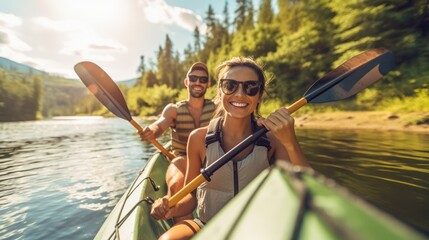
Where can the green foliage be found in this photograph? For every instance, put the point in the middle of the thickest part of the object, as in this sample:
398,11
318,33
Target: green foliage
26,96
266,14
88,104
298,44
417,103
270,106
303,41
150,101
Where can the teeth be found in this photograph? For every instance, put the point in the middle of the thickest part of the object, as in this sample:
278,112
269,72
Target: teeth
237,104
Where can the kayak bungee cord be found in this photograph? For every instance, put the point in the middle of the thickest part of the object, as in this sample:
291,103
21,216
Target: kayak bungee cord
133,187
306,203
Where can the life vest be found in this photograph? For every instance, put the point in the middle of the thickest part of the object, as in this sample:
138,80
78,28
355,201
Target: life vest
231,178
185,124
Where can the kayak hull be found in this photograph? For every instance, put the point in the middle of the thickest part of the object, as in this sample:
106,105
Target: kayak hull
130,219
286,202
283,202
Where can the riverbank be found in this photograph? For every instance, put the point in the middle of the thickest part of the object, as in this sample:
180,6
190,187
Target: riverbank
367,120
377,121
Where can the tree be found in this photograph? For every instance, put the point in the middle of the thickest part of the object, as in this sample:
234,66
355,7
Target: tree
225,12
197,40
240,14
142,67
37,97
304,53
249,21
266,13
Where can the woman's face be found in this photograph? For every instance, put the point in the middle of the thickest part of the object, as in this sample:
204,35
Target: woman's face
240,104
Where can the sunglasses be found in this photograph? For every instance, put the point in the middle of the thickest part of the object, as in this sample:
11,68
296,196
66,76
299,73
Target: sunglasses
194,78
229,86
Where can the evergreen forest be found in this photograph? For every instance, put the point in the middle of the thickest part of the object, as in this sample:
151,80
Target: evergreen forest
297,42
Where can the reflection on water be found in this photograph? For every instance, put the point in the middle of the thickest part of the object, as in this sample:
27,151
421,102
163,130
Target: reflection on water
60,178
388,169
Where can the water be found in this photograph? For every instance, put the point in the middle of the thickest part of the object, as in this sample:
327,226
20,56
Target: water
60,178
388,169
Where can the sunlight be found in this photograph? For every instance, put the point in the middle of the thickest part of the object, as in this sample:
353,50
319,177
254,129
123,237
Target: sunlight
90,11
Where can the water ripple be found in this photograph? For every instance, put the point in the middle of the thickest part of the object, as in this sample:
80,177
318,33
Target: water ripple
68,174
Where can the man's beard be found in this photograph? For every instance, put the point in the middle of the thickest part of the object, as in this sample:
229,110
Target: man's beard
197,95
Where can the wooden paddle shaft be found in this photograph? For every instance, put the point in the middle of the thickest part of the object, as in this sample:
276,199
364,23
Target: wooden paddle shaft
207,172
153,141
191,186
297,105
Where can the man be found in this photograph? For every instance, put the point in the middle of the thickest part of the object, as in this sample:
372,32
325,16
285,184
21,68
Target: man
182,118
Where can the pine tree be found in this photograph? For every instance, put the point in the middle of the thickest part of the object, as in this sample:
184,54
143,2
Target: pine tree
225,25
249,21
197,40
240,14
266,13
142,67
225,12
37,97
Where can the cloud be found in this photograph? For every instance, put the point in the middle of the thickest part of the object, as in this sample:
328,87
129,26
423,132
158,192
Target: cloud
9,42
90,45
158,11
81,40
57,26
9,20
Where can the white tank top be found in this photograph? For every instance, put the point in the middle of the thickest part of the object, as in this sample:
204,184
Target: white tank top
214,195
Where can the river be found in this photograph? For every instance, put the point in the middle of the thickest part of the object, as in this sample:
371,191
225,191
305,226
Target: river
60,178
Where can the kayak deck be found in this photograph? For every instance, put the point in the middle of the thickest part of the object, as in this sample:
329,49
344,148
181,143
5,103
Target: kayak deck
283,202
287,202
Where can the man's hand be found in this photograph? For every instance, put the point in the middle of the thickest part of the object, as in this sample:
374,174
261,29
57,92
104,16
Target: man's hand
147,134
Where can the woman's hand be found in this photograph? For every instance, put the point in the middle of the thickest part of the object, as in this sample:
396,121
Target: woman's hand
160,209
281,124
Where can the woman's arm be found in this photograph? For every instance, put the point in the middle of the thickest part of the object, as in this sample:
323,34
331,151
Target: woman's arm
196,151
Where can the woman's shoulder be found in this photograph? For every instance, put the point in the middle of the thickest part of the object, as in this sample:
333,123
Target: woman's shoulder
196,142
199,133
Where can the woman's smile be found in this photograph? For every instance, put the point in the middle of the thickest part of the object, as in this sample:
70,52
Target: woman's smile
239,104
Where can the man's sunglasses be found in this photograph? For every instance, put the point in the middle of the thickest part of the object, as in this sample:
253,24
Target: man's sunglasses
229,86
194,78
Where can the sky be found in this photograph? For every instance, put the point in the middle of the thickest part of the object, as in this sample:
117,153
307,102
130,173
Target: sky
54,35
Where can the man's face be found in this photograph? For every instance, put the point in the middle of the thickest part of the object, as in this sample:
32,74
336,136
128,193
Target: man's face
196,86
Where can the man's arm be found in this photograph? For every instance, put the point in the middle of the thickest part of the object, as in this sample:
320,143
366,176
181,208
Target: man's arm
156,129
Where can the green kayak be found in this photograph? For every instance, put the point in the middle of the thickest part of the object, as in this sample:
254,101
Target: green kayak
130,219
281,203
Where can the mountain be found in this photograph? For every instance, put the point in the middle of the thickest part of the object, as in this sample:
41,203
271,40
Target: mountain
8,64
11,65
128,83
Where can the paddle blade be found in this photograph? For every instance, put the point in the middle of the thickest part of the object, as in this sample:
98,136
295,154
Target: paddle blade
351,77
104,88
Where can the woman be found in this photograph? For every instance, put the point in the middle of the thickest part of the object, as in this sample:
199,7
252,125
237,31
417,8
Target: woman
240,90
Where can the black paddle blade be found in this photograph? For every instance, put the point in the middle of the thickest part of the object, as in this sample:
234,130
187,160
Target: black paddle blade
104,88
351,77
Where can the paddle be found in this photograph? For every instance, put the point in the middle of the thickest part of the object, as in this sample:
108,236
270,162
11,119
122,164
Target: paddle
107,92
349,78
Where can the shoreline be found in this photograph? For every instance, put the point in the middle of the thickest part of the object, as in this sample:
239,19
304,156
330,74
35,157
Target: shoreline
359,120
416,122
